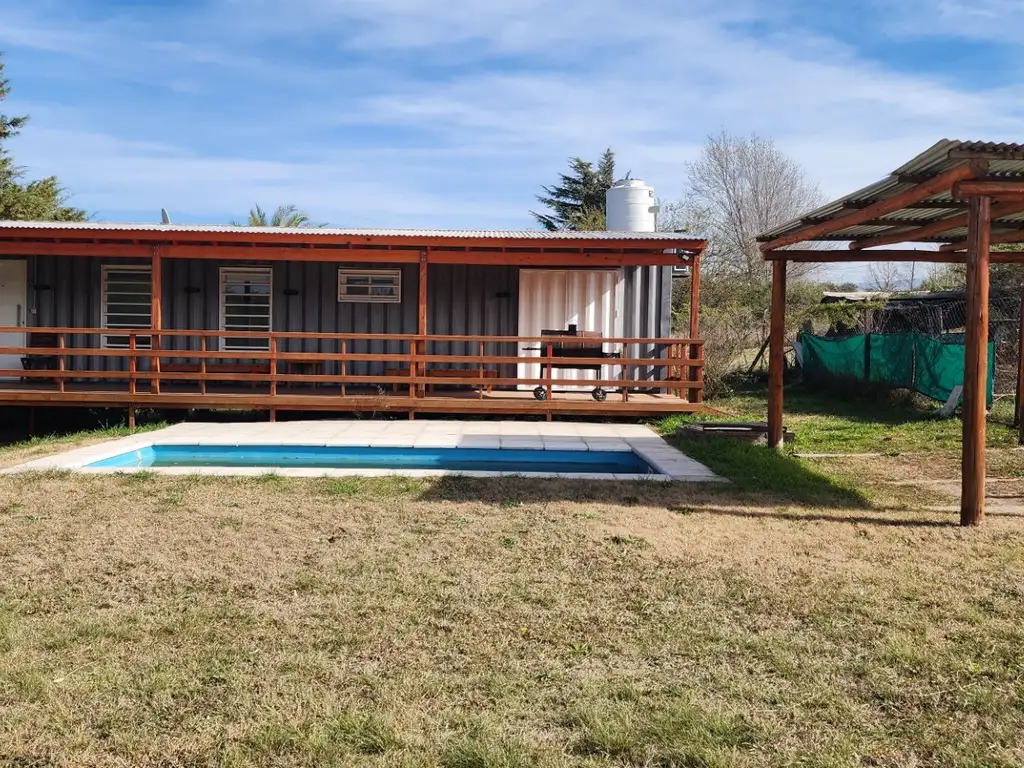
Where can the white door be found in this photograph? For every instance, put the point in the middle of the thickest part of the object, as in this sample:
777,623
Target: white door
554,299
13,291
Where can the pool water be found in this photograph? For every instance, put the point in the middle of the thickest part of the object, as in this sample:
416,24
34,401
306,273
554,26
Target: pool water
341,457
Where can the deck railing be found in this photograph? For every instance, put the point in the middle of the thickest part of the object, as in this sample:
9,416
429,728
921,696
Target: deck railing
150,358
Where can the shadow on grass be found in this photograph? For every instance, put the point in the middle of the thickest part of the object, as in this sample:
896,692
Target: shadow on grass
811,517
757,476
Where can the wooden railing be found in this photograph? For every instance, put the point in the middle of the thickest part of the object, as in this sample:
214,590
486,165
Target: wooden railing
156,356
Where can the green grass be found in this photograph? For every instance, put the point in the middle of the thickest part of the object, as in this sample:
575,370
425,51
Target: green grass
843,422
473,623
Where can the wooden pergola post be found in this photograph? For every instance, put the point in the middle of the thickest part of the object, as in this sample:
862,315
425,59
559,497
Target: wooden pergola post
694,395
156,319
776,353
972,496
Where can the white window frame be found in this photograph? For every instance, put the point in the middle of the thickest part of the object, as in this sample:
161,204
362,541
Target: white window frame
256,345
106,341
346,298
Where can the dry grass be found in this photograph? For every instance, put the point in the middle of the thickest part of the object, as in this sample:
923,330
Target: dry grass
148,620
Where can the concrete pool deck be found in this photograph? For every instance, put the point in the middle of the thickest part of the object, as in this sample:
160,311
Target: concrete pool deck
667,461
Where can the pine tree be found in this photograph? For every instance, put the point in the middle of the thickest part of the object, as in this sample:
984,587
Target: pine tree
578,201
42,200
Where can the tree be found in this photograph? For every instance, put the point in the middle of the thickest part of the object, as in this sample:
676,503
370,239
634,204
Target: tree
889,276
284,216
578,201
745,186
42,200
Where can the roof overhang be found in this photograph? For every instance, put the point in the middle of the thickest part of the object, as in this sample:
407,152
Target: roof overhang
103,240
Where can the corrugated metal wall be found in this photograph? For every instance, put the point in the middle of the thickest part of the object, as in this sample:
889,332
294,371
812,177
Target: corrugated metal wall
462,300
556,298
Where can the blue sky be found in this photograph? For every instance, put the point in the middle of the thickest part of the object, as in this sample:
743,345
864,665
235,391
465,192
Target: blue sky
452,113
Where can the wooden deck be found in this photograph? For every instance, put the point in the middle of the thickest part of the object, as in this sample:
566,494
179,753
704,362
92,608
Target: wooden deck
422,374
299,398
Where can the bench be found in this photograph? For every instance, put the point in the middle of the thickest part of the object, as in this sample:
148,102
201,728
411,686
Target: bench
443,373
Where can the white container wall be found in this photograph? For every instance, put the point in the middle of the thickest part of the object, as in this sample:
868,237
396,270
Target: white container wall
631,207
554,299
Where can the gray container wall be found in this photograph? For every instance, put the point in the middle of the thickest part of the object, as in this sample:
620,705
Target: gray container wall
648,311
462,300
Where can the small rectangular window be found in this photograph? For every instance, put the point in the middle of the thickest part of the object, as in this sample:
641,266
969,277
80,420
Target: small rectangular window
380,286
127,304
246,299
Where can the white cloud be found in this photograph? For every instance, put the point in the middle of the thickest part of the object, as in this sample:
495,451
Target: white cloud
453,114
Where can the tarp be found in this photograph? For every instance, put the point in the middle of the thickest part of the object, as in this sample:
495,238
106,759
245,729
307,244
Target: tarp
931,366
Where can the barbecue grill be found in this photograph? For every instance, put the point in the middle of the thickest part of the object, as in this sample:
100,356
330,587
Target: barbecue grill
581,347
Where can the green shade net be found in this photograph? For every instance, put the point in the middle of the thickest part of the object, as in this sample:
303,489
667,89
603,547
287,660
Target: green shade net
931,366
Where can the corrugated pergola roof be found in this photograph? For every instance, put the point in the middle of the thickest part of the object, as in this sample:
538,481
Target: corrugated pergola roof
1005,162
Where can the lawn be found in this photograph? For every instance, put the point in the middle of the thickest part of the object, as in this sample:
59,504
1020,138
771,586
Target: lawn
836,617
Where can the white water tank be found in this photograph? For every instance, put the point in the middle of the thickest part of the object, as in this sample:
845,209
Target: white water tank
630,207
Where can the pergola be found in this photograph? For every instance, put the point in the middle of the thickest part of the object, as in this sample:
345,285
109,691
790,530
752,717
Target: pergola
964,197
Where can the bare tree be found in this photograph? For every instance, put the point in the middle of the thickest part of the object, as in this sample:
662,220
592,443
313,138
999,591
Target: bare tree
888,276
745,186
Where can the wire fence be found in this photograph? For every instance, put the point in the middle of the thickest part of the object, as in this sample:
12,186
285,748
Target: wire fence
944,317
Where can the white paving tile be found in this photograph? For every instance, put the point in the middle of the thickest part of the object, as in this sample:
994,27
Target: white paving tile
665,459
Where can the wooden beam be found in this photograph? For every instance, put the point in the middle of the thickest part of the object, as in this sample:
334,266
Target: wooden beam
825,256
990,188
972,493
940,183
559,259
105,250
776,354
937,228
997,257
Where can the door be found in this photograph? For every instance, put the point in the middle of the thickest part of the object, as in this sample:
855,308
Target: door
554,299
13,291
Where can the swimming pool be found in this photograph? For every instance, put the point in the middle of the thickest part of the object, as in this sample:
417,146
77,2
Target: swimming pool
345,457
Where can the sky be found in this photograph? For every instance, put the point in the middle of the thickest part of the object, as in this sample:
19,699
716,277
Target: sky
453,113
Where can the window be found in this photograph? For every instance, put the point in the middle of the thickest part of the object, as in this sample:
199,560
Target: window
127,303
245,305
380,286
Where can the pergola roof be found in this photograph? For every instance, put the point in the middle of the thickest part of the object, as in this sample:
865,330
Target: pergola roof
924,220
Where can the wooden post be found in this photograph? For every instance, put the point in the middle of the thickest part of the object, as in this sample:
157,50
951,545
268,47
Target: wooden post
776,354
273,372
694,395
344,368
61,365
421,325
550,356
481,350
156,321
1019,403
202,365
131,418
132,364
972,494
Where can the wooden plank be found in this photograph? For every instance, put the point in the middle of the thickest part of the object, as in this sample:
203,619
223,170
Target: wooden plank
776,354
972,494
988,188
919,192
937,228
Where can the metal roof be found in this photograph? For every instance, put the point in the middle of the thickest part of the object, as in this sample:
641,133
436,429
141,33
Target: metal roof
1006,161
413,234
